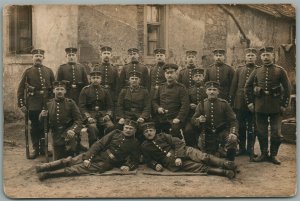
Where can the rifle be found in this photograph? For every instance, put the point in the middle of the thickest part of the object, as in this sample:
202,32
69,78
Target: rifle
26,121
45,121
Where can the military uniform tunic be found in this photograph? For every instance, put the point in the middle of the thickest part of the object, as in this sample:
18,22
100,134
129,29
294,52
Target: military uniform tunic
76,74
157,75
223,74
185,76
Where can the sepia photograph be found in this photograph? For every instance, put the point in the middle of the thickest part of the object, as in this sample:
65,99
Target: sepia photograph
149,101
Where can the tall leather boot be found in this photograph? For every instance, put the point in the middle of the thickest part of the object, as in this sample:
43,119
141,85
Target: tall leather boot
263,143
231,154
250,145
221,172
274,151
52,174
53,165
35,151
218,162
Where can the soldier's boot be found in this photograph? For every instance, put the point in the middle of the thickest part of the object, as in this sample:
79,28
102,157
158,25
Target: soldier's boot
53,165
250,146
35,152
230,174
242,143
222,163
231,154
274,151
263,144
52,174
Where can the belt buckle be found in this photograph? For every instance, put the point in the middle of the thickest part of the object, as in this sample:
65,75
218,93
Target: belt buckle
267,92
106,86
42,92
96,108
156,86
214,130
74,86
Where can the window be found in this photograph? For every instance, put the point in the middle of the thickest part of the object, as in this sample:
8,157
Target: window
20,29
155,19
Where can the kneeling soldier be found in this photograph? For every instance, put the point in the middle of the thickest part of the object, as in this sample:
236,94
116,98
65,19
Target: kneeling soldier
163,150
95,104
219,124
116,149
65,122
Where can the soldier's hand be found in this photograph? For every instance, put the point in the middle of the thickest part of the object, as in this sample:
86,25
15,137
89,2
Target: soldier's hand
70,134
282,109
124,168
232,138
106,118
159,168
23,109
44,113
176,121
178,162
91,120
140,120
251,107
202,119
193,106
87,163
161,110
121,121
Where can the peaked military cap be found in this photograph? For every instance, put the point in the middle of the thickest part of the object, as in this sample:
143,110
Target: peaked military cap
266,49
212,84
131,50
135,74
132,123
159,51
106,48
219,51
96,71
63,83
250,50
170,66
191,52
71,50
38,51
148,125
197,71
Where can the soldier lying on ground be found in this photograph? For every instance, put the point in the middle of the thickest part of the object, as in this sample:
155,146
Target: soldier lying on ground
116,149
164,151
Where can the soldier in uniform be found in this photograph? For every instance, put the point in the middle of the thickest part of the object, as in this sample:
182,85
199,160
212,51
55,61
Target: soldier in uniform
134,65
196,95
165,151
116,149
157,74
37,80
95,104
244,116
73,72
134,102
267,93
185,75
220,72
170,103
219,124
65,122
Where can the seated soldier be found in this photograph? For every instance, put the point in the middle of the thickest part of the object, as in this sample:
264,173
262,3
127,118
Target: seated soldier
133,103
116,149
218,122
165,151
95,104
65,122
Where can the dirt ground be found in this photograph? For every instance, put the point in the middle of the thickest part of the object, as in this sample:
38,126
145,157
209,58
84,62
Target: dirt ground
254,180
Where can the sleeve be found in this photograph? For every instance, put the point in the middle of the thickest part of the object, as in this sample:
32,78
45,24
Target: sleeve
109,103
77,118
249,95
156,99
59,74
21,90
233,88
82,103
198,112
206,77
85,79
177,144
122,82
180,77
147,105
231,118
146,78
120,105
52,79
287,89
230,75
185,104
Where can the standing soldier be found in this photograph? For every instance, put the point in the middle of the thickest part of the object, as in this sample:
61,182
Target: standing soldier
185,75
220,72
73,72
109,72
65,122
244,116
157,74
96,105
196,95
220,124
267,94
134,102
37,80
171,103
134,65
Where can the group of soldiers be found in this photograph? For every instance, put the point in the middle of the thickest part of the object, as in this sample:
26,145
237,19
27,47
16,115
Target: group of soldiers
186,120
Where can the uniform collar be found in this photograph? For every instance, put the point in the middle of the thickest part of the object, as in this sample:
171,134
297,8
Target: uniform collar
170,85
37,65
219,64
269,65
191,66
71,63
212,99
161,63
59,100
250,65
134,88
